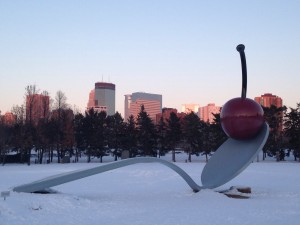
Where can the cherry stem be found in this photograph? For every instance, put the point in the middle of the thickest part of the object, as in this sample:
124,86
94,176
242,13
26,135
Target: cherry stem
241,49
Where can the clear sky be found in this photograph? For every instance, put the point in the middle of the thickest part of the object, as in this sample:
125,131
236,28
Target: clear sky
184,50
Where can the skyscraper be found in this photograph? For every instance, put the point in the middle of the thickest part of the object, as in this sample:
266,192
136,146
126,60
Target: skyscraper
206,112
102,98
152,104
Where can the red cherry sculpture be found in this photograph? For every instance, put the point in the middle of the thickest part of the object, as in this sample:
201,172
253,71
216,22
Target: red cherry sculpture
242,118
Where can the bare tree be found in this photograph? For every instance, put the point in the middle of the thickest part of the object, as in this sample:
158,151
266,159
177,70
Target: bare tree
76,110
60,106
19,112
60,101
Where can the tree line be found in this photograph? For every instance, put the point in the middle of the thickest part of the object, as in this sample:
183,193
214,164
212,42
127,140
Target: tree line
97,134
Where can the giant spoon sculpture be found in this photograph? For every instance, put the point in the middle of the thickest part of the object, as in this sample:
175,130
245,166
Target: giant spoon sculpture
242,121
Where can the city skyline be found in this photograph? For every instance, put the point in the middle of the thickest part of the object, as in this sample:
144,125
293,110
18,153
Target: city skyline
184,51
184,107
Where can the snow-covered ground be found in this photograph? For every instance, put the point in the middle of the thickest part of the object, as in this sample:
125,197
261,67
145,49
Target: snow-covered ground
152,194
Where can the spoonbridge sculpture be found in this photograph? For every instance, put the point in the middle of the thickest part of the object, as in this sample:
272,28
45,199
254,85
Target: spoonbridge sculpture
241,119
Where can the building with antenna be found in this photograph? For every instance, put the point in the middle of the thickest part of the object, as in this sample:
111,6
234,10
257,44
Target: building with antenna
102,98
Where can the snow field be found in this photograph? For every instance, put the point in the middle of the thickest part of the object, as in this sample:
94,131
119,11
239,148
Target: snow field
152,194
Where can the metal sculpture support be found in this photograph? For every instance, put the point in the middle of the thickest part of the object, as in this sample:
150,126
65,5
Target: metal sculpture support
44,184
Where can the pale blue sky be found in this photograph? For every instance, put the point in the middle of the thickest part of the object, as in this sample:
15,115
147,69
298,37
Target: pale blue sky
184,50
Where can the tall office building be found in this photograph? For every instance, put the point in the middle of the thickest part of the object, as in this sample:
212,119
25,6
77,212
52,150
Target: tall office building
37,107
268,99
102,98
188,108
152,104
206,112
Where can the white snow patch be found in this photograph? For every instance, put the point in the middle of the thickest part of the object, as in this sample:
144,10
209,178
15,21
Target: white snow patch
151,194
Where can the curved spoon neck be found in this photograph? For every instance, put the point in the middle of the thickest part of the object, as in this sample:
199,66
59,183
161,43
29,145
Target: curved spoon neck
244,71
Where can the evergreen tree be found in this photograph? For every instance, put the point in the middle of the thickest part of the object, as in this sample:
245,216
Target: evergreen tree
161,136
207,138
218,137
193,140
115,133
94,133
274,117
130,137
79,135
146,135
292,130
173,133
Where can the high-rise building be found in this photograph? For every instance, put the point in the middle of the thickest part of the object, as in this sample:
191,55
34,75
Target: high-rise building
206,112
102,98
188,108
37,107
268,99
152,104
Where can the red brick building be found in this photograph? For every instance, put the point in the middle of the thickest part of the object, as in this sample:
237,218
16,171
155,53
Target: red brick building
268,99
37,107
166,114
